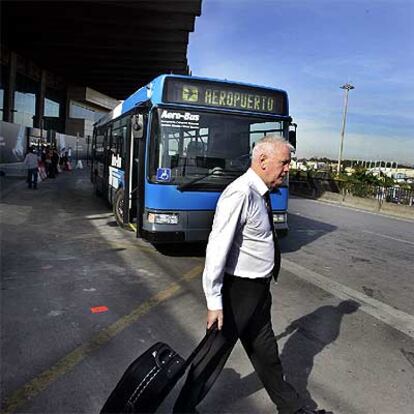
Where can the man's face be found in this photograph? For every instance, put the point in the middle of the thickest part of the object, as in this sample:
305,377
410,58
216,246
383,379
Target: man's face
277,166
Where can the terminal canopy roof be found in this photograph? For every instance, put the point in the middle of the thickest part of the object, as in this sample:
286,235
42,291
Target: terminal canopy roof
111,46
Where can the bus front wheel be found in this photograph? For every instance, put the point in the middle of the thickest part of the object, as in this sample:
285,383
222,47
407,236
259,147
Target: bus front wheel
118,207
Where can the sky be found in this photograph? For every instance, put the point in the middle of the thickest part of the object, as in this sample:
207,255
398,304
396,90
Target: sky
310,48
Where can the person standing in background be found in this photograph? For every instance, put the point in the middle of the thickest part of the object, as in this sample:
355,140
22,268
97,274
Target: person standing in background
55,162
31,161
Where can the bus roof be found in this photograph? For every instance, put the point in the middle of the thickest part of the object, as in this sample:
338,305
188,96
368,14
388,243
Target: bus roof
219,93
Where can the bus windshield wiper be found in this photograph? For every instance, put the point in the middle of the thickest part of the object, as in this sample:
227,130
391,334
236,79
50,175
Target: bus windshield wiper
217,171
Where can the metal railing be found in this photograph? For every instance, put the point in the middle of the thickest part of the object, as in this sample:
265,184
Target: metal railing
315,186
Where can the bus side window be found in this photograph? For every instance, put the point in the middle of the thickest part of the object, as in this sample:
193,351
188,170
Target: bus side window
174,160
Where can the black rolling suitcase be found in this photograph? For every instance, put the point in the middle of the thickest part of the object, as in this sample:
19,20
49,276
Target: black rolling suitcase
149,379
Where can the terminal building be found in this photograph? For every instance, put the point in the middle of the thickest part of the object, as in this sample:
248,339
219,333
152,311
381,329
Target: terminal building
65,64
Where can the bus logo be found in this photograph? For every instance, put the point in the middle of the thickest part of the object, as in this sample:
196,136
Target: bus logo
190,94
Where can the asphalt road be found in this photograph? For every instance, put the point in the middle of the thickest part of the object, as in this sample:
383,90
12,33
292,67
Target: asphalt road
371,253
81,298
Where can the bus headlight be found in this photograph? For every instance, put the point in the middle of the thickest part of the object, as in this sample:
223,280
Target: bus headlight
162,218
279,217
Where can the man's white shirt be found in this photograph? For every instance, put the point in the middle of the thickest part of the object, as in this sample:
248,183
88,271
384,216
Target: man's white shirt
241,240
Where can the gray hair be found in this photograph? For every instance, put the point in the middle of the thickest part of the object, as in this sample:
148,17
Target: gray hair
268,145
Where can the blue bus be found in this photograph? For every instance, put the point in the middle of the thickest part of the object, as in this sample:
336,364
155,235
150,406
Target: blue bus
163,156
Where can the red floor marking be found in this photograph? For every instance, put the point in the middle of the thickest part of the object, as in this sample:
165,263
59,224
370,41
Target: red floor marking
99,309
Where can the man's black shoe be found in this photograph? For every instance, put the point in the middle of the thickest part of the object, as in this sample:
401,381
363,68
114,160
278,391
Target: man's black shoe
309,411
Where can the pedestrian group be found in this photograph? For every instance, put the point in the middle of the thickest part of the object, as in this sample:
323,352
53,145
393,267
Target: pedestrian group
46,162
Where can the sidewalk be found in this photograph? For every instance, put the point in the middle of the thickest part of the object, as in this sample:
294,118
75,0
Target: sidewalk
81,298
51,253
8,184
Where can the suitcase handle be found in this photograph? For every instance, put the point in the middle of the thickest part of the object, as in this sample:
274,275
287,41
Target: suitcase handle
213,329
163,355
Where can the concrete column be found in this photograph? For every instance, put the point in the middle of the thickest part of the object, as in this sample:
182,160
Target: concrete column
40,102
8,109
64,110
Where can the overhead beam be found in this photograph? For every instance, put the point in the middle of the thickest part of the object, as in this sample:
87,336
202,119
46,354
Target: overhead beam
97,48
136,35
89,15
112,46
184,6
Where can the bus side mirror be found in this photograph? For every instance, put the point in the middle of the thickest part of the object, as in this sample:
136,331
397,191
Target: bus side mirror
292,138
137,125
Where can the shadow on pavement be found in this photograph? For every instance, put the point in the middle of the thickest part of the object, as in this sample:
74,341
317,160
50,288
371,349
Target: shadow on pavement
303,231
182,249
230,389
309,335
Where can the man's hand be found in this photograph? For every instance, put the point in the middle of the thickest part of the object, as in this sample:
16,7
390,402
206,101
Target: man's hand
215,315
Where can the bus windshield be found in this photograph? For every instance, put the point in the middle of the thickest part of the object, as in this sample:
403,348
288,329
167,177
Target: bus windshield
186,144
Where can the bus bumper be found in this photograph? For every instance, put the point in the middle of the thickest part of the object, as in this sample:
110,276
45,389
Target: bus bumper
191,226
164,236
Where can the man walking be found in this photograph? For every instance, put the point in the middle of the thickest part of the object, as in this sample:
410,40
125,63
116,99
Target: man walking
31,162
242,257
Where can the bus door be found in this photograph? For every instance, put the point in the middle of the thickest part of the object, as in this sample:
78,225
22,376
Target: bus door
126,201
138,137
106,160
118,166
99,163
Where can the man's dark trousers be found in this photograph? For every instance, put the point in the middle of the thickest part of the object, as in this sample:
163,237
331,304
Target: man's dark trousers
32,177
246,312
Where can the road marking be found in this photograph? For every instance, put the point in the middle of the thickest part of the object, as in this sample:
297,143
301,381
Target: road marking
71,360
379,310
99,309
388,237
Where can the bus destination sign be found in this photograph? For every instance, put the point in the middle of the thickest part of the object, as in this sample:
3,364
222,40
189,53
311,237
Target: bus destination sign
222,95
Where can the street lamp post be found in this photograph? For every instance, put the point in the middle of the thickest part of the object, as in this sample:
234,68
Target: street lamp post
347,87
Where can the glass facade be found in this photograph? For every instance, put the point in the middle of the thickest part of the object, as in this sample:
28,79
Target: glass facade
25,108
24,100
80,111
51,108
54,109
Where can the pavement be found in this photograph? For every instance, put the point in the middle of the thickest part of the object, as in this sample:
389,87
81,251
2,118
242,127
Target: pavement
7,184
82,298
